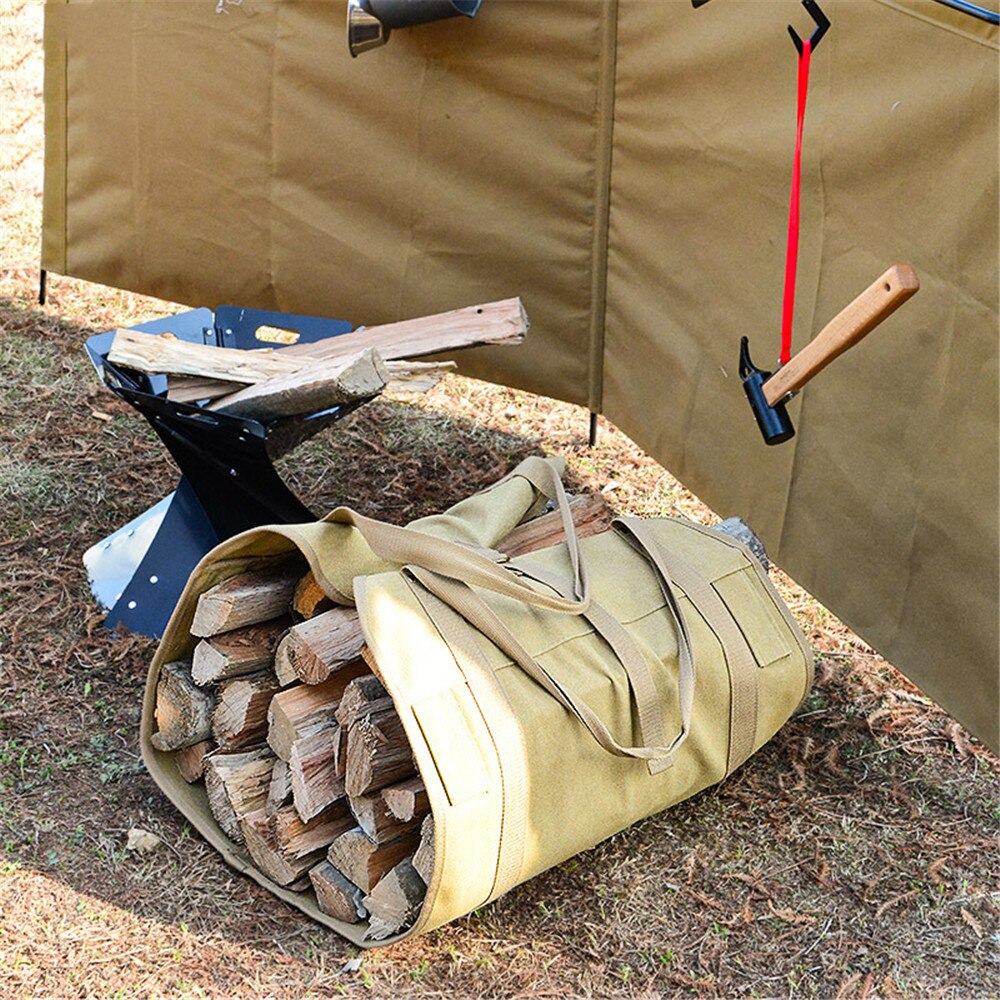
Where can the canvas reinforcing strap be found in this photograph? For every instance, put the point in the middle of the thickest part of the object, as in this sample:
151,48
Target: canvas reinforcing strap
792,249
740,662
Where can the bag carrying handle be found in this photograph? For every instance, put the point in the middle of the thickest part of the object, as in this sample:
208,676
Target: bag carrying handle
654,749
462,599
450,571
405,546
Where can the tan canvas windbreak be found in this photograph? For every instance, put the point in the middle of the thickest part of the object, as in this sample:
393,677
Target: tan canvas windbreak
623,166
549,702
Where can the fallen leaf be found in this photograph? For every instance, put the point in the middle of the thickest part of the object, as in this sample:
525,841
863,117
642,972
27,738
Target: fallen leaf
933,873
790,916
976,926
901,898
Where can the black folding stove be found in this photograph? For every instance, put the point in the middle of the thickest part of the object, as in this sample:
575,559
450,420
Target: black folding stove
228,480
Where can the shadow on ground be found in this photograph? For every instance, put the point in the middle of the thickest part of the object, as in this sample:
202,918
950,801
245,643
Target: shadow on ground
852,853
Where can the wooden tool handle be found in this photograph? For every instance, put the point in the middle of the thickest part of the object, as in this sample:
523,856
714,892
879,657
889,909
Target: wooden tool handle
873,305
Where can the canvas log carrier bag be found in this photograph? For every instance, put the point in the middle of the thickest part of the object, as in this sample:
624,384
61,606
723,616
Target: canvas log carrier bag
550,700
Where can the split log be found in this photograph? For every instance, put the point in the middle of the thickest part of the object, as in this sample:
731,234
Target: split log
314,649
296,838
156,354
202,371
195,388
284,851
247,599
340,754
590,514
423,858
315,386
415,376
296,710
737,528
407,799
395,902
237,653
279,791
337,896
191,760
503,322
401,377
309,599
240,717
237,784
374,817
364,863
313,771
183,710
378,753
363,696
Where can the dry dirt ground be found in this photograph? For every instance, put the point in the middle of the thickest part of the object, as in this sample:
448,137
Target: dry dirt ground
854,856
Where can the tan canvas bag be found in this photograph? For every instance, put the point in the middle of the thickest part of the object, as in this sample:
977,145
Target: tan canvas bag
550,701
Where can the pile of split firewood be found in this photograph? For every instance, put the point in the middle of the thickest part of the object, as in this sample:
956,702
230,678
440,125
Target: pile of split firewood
301,378
305,761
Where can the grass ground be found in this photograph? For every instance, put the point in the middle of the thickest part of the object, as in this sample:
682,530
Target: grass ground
854,856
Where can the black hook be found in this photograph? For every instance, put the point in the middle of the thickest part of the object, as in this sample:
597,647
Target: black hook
822,26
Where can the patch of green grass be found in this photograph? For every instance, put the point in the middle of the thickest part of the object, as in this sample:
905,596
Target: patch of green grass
25,481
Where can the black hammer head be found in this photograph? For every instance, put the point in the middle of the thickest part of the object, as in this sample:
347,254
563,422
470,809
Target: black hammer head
773,421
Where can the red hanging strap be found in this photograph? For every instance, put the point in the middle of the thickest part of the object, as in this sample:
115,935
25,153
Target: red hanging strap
792,252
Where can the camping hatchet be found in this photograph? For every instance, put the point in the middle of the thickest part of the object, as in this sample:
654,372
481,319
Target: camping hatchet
769,393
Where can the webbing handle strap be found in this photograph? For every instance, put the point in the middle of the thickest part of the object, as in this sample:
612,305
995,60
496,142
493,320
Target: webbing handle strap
740,663
467,603
629,655
654,749
663,563
405,546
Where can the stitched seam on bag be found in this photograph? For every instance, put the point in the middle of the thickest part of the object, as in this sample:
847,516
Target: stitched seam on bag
764,608
591,631
512,784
